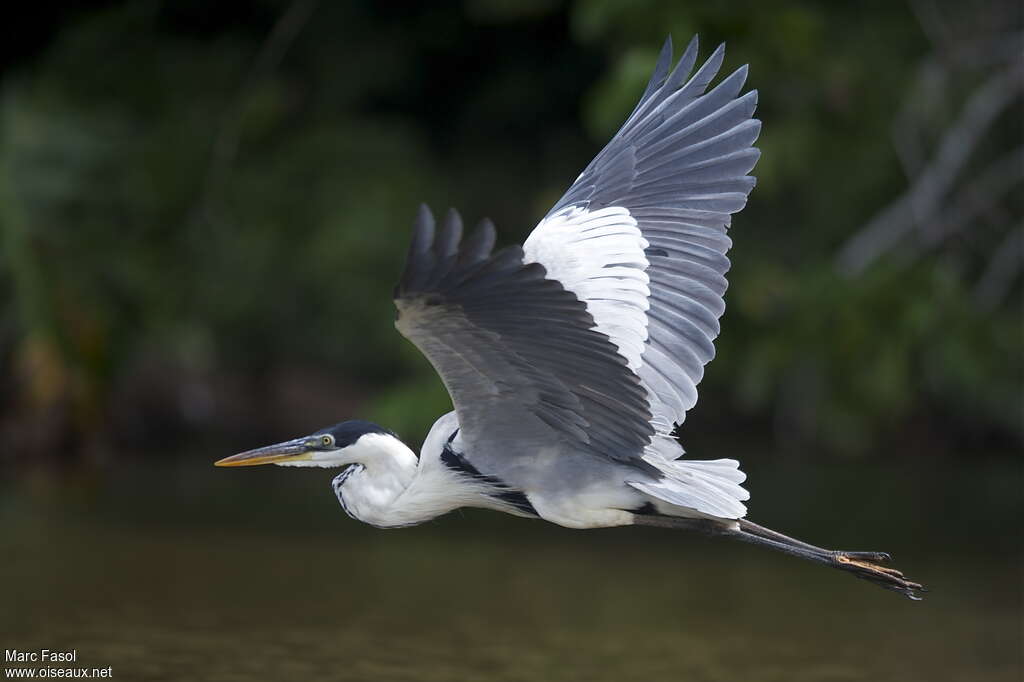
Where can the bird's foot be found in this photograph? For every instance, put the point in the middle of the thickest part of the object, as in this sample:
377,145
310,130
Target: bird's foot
867,566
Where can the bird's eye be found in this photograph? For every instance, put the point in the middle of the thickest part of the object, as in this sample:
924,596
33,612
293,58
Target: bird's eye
327,440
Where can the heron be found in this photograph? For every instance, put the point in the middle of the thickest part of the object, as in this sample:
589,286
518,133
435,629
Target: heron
572,360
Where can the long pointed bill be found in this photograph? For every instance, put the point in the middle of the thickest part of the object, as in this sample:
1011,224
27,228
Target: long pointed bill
288,451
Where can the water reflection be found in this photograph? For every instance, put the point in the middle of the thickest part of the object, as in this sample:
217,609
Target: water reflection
169,575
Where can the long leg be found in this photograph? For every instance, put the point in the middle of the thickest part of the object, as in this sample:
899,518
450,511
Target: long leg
752,528
864,565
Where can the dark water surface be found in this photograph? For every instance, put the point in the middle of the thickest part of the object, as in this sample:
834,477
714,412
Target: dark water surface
185,573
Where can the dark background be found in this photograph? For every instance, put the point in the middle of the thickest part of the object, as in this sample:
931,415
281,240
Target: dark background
203,209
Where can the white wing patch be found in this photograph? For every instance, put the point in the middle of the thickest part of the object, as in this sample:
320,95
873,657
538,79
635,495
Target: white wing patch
599,256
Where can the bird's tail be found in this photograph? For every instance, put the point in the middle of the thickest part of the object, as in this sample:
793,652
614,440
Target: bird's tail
865,565
710,488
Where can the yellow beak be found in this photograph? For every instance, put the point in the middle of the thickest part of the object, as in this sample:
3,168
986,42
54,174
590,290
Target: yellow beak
288,451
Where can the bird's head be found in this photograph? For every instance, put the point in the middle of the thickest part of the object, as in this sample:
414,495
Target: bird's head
351,442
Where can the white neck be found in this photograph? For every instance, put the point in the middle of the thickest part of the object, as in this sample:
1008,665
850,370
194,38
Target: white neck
395,489
381,468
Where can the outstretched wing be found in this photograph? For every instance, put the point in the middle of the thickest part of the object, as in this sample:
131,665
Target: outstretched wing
640,237
516,350
597,331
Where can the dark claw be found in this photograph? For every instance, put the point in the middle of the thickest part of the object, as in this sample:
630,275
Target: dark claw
889,578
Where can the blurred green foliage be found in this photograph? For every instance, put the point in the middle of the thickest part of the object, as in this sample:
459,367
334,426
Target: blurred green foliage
225,191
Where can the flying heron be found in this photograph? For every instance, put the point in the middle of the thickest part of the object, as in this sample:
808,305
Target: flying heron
571,360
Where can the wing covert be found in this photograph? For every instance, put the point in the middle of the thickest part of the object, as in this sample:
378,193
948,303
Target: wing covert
508,342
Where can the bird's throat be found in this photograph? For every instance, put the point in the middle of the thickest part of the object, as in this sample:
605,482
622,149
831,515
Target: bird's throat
384,467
